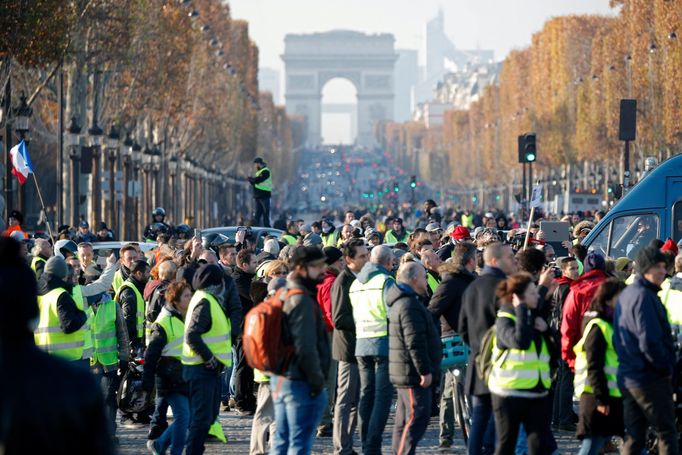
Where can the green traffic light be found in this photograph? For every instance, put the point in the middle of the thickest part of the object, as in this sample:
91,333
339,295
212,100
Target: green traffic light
413,184
530,157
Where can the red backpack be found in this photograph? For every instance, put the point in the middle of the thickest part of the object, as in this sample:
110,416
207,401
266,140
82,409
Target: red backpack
263,340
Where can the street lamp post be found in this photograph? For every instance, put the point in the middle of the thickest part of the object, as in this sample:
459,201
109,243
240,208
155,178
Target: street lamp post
173,171
73,139
136,155
146,194
22,115
123,226
95,134
156,167
112,155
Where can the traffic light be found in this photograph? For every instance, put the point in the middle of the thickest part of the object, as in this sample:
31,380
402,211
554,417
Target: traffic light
413,182
396,188
527,148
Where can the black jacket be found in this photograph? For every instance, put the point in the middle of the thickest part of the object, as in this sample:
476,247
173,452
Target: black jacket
445,252
308,334
447,300
232,306
40,266
166,370
128,301
156,302
343,343
243,281
477,315
70,317
414,347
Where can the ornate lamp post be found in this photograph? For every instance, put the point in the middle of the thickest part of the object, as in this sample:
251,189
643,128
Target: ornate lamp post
156,168
126,154
95,136
73,142
112,155
22,116
146,169
136,161
173,172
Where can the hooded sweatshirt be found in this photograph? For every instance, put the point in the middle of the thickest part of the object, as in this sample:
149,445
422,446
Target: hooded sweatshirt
374,346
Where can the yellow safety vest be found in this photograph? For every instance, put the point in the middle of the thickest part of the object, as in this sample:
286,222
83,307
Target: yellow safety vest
432,282
467,221
35,262
49,335
259,376
174,328
369,308
580,383
289,238
218,336
392,238
517,369
118,281
77,295
329,239
103,332
265,185
140,307
672,301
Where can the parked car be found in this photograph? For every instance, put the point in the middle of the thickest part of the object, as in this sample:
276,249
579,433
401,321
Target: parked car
104,249
231,231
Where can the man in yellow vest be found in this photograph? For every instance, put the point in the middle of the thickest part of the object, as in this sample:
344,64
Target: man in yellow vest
671,297
398,233
110,348
129,255
129,296
206,351
262,190
368,298
42,251
62,325
431,263
291,236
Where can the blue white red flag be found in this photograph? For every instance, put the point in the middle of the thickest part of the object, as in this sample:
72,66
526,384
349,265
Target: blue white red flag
21,162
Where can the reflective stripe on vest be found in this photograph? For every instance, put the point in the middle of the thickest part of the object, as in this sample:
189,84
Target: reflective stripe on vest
104,333
580,383
369,308
517,369
218,336
174,329
432,282
35,262
259,376
265,185
139,311
50,337
118,281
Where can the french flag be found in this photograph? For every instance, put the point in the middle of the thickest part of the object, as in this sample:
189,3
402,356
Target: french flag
21,162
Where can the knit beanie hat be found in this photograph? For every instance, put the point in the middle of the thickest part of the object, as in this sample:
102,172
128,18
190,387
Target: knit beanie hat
648,257
271,246
621,263
671,246
594,261
207,275
332,254
57,267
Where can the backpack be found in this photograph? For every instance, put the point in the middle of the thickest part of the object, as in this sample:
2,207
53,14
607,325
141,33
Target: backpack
265,345
484,359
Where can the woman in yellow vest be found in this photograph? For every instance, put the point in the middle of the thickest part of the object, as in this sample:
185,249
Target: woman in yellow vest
163,366
519,381
596,365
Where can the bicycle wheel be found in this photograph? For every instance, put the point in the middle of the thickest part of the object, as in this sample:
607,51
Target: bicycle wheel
462,410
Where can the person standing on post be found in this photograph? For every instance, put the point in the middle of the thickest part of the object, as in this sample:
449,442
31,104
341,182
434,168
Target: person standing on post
343,347
368,298
643,340
262,190
414,356
206,350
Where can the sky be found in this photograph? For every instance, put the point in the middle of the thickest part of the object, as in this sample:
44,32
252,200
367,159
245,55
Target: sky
501,25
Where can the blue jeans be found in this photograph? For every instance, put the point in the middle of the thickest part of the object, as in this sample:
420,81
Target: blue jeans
160,411
226,389
376,393
204,403
592,446
297,415
175,435
482,431
522,442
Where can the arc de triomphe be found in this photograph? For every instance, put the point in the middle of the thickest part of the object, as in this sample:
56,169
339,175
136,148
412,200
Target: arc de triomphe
367,61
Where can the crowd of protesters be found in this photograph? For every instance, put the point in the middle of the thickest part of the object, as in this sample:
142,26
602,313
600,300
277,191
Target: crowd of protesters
371,300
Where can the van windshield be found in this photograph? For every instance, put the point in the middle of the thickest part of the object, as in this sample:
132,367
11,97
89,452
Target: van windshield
630,233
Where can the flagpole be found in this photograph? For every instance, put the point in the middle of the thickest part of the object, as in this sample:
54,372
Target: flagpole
42,204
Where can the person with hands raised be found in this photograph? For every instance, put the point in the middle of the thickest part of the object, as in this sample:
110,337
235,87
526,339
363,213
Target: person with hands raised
519,381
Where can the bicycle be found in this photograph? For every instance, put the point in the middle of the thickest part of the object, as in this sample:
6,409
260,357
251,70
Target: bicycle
455,358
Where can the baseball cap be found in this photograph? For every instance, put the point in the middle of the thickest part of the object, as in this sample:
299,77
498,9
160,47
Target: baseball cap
84,224
433,227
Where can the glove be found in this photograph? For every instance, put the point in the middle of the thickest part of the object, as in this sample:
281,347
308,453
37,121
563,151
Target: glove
315,390
211,364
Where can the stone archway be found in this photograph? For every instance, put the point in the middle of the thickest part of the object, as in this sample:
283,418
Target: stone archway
365,60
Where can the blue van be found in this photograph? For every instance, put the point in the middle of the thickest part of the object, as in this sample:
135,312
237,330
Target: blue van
651,209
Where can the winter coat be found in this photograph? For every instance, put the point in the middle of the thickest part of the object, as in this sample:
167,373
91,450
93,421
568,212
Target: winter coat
477,315
324,297
128,301
447,300
642,336
155,297
243,281
414,347
165,371
308,334
343,343
557,303
70,317
576,304
592,423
